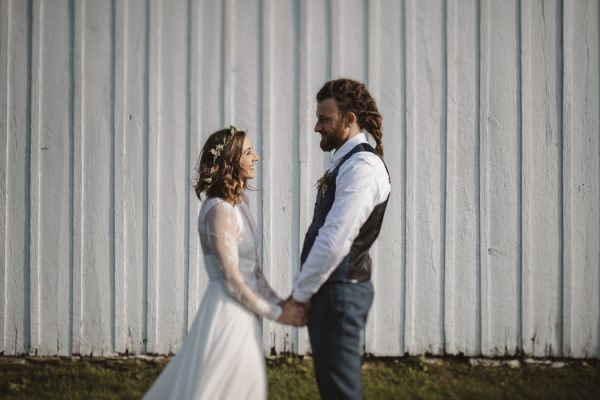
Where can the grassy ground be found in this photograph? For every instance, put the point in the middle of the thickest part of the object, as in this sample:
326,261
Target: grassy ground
293,378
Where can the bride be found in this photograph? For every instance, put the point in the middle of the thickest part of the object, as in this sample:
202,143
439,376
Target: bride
222,355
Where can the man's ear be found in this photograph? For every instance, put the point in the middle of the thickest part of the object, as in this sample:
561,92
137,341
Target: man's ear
351,118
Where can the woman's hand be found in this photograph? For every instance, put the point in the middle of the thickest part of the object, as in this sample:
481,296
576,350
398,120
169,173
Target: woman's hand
293,313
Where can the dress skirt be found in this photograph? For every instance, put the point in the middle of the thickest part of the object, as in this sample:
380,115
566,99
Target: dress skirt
221,356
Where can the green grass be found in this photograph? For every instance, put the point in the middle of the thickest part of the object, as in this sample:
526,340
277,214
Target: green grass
292,378
450,378
83,379
415,379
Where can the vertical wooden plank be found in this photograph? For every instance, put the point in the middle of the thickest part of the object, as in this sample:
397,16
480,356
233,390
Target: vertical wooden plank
284,159
541,179
404,176
320,28
120,199
304,148
581,169
410,269
386,83
53,150
245,35
97,272
336,42
211,112
227,55
186,179
501,178
195,104
78,134
331,53
211,64
271,331
132,212
352,42
462,193
154,125
244,67
390,297
5,38
171,174
372,57
34,175
425,176
17,185
112,181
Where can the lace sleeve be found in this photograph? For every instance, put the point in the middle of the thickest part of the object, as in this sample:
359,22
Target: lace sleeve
222,232
264,288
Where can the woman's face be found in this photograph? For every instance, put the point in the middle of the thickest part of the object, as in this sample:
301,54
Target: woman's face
248,159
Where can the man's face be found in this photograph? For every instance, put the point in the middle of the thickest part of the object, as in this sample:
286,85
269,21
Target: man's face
330,125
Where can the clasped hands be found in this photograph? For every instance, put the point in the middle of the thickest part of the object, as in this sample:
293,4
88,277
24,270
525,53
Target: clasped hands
293,312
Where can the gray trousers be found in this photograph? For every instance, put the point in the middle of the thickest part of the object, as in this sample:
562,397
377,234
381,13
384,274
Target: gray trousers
338,317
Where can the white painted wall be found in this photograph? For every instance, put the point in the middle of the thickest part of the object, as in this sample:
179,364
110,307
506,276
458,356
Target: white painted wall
491,243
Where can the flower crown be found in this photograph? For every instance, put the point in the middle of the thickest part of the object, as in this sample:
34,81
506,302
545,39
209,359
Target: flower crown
216,151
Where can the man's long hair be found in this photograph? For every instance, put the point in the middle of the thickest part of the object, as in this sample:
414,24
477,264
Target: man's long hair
353,96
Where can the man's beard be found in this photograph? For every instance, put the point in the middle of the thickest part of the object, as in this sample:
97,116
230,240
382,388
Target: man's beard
332,140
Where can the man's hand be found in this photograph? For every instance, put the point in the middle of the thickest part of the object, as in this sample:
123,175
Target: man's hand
293,313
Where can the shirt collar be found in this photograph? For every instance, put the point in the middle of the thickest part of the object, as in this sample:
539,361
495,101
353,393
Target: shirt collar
346,147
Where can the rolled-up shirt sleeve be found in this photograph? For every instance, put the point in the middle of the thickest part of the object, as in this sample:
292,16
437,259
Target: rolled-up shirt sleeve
357,194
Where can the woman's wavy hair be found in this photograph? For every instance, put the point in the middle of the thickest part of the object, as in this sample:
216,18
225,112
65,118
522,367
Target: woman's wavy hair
218,171
353,96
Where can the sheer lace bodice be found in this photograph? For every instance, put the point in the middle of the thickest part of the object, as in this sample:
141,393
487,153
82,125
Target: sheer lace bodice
228,239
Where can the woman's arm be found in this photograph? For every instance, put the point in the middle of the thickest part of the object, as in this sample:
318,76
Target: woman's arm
222,232
264,288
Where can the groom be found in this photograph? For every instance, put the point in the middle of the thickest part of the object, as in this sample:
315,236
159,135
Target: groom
335,270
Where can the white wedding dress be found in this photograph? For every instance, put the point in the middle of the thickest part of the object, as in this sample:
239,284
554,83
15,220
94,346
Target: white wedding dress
222,354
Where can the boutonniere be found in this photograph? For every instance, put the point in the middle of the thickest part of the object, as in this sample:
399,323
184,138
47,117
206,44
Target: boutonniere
323,183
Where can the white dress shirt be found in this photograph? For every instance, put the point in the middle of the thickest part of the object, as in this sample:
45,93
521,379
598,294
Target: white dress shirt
362,183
